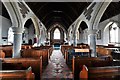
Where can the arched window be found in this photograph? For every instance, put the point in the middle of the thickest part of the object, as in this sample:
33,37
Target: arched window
114,31
10,35
57,34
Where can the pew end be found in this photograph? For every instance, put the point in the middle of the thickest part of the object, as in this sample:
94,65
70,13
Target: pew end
2,54
84,73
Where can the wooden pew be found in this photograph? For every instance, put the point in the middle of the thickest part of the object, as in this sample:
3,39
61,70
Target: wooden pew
102,51
83,52
48,48
14,71
76,52
26,46
36,53
100,73
78,62
2,54
7,50
36,64
65,48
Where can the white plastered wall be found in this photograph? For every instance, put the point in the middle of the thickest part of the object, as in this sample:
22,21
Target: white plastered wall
105,30
4,27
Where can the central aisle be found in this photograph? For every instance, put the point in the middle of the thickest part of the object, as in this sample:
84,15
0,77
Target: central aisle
57,68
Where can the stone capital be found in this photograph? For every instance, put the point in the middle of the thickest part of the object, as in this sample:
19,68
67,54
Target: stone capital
17,30
92,31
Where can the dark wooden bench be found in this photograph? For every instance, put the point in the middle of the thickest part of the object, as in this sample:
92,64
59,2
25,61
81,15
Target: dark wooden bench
2,54
78,62
36,53
100,73
26,46
103,51
15,71
48,48
8,50
36,64
65,48
76,52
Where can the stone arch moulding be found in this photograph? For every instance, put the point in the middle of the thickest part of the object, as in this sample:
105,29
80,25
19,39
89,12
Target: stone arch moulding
92,19
99,13
78,23
15,18
36,25
60,26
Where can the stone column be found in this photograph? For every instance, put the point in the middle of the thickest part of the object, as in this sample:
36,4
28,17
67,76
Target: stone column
74,39
17,41
71,36
37,40
42,39
92,42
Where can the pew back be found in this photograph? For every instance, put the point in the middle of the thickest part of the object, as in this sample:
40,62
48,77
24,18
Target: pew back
78,62
17,74
36,53
103,51
7,50
36,64
100,73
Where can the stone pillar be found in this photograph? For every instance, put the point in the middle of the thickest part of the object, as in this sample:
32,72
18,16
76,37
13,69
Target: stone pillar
71,37
43,39
92,42
74,39
68,36
38,40
17,41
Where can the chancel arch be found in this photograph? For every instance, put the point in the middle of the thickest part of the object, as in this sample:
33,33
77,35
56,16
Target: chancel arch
62,33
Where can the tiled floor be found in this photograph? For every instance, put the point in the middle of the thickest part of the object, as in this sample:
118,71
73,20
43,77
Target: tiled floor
57,68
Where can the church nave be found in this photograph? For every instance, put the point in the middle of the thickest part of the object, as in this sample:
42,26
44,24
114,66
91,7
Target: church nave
57,68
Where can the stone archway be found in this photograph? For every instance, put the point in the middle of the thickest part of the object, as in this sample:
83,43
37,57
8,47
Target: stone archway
61,40
62,32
